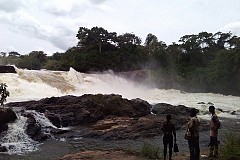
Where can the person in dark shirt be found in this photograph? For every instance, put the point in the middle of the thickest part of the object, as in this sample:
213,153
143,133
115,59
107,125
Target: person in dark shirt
168,129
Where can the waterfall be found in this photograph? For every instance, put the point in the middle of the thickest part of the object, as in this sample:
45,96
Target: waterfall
16,140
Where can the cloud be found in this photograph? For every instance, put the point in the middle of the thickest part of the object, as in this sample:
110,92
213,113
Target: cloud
63,8
11,5
234,27
97,1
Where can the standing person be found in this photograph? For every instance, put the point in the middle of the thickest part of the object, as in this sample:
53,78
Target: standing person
168,129
214,126
192,135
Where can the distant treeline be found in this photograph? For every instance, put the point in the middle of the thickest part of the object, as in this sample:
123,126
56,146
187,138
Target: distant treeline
203,62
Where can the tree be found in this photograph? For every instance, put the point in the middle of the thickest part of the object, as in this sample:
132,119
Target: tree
150,42
40,55
3,54
4,93
96,37
15,54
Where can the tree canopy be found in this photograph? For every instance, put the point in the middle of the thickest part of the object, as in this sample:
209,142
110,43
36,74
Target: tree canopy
203,62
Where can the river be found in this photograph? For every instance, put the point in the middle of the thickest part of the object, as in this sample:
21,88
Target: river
34,85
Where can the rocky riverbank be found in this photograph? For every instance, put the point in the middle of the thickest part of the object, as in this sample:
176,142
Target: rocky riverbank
107,117
97,122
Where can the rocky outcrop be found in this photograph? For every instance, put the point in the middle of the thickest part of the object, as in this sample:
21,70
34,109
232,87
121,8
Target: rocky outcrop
3,148
164,108
7,115
72,110
106,117
7,69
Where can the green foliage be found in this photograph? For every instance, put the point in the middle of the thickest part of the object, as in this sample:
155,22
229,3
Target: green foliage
4,93
150,151
202,62
230,150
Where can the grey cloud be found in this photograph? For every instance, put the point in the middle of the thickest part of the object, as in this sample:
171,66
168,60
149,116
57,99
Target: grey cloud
63,38
59,36
97,1
11,5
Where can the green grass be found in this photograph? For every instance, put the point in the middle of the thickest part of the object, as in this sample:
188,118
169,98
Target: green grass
230,150
150,151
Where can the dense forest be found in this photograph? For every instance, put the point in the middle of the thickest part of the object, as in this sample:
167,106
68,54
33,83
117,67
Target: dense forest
203,62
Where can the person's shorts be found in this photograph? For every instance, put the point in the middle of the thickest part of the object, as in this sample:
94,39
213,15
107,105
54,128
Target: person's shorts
213,141
168,139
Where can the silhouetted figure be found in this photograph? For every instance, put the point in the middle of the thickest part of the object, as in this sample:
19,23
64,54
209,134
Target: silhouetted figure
168,129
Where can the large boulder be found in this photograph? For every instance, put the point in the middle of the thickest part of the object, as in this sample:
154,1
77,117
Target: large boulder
71,110
164,108
6,115
7,69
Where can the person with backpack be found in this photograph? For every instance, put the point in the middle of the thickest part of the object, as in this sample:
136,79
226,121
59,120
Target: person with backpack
214,126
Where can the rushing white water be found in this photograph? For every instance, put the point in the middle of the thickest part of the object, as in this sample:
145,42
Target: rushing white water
34,85
16,140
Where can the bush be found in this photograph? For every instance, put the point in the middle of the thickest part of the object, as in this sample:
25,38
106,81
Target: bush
150,151
230,150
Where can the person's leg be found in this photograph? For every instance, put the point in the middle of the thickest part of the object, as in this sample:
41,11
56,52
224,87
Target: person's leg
196,148
165,147
215,147
170,152
170,146
191,148
165,151
211,145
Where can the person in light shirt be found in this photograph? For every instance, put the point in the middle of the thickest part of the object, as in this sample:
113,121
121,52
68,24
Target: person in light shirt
214,126
193,135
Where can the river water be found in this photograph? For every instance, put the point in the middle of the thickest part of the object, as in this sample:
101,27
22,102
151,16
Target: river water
35,85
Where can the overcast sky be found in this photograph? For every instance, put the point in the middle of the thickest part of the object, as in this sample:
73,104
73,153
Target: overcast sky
51,25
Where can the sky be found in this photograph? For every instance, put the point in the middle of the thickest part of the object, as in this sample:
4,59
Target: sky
51,25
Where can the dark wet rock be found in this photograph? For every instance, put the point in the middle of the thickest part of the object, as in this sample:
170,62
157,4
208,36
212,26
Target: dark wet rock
6,115
106,117
7,69
56,131
3,148
3,127
210,103
164,108
33,129
233,113
72,110
219,109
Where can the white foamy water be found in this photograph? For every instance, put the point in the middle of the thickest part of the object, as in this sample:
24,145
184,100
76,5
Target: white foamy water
34,85
16,140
